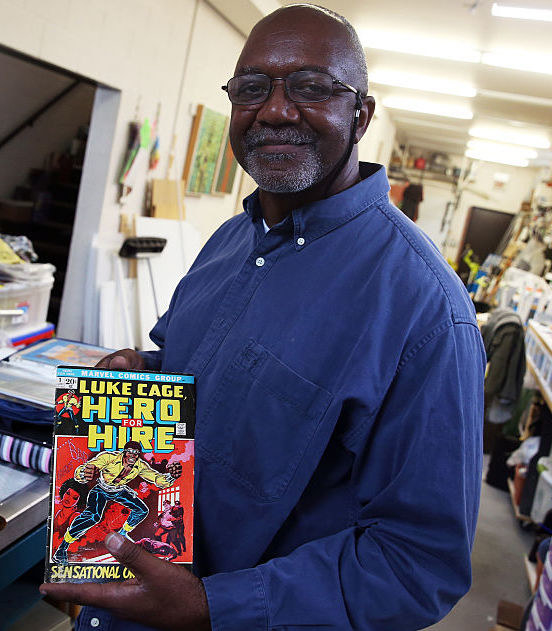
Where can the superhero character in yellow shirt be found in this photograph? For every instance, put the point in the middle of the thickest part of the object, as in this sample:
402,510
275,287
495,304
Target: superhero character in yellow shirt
67,406
117,468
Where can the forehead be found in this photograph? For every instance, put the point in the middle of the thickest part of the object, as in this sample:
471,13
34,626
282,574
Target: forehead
292,41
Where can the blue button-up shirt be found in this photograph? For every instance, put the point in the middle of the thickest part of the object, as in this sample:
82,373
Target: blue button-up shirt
339,407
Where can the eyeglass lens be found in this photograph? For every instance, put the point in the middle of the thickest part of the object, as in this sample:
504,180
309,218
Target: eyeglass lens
303,86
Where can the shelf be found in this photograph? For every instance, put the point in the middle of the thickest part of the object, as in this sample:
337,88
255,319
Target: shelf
543,389
540,335
422,175
519,516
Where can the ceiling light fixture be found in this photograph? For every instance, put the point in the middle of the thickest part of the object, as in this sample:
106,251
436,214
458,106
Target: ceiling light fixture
422,82
516,60
496,157
428,107
400,43
515,151
521,13
512,136
439,49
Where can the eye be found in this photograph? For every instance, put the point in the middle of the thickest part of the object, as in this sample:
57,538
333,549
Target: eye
310,87
251,89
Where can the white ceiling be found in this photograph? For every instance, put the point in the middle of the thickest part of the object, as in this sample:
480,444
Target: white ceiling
514,99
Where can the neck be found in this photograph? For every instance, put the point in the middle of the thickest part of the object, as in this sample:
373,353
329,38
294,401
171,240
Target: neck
277,206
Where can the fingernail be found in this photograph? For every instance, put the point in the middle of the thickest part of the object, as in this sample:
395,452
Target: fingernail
114,542
43,591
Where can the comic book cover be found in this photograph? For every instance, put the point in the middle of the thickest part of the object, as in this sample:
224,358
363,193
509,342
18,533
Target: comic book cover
123,461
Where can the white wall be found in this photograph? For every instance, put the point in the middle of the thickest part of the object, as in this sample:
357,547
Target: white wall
432,209
26,87
215,48
377,144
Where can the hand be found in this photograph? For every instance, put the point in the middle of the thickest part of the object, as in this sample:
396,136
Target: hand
125,359
162,595
88,472
174,469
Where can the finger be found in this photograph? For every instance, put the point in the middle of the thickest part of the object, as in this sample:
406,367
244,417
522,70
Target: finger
141,563
104,361
119,362
104,595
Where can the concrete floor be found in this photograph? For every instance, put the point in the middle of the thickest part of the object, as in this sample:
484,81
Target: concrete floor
497,565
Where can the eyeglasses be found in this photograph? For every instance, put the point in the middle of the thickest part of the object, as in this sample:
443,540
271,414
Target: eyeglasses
302,86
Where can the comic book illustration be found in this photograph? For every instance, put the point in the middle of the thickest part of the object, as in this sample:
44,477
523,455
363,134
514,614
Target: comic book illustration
123,461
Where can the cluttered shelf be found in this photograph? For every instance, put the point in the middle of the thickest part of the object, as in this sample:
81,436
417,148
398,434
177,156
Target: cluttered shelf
542,387
538,344
405,173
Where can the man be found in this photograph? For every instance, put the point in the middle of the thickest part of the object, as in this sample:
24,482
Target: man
179,540
65,415
116,468
163,550
165,522
339,371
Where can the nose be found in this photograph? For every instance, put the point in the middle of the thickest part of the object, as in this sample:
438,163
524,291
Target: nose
278,109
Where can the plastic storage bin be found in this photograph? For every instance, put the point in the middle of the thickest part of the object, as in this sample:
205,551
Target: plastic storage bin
24,303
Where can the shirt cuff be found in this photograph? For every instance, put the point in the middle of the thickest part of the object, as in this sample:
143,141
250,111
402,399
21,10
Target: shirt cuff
237,601
152,359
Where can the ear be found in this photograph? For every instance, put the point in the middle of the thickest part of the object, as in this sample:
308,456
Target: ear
365,116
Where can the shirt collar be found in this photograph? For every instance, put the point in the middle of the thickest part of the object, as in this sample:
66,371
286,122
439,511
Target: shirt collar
316,219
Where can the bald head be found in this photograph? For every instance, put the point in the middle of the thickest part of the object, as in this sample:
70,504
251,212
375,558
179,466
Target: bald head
316,25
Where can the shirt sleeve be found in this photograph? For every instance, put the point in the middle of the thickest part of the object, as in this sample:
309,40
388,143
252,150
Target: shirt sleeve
405,561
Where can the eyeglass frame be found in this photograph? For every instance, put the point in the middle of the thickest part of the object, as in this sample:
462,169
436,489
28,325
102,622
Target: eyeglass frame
359,95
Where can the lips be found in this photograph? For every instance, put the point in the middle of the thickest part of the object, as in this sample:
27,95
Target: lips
280,147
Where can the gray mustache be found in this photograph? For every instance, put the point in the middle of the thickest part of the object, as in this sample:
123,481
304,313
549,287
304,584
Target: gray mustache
260,137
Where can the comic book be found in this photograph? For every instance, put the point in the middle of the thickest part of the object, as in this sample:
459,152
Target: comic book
123,461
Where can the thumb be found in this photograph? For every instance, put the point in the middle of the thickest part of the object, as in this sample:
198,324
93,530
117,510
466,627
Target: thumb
142,564
119,362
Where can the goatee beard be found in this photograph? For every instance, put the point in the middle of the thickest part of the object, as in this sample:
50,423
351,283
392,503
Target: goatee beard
298,176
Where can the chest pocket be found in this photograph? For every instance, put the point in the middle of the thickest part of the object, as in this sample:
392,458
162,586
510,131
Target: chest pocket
260,421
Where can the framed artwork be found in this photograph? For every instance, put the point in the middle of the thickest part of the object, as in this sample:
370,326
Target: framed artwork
204,148
227,166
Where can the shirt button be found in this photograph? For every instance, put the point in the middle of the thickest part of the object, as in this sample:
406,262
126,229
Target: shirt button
300,241
260,262
94,622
